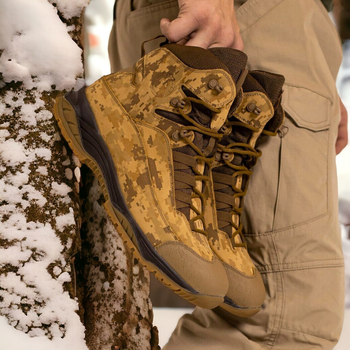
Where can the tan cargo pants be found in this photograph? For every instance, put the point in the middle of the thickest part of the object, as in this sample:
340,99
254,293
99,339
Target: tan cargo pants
291,216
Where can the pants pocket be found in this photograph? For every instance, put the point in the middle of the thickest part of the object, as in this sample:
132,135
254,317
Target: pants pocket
289,185
303,170
313,311
136,22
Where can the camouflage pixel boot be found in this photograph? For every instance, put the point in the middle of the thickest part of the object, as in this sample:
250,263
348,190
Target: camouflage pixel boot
259,112
149,134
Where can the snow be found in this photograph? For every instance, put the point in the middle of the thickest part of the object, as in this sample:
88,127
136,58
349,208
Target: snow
11,193
12,152
65,220
42,170
47,302
37,50
61,189
45,136
15,340
43,153
54,59
70,8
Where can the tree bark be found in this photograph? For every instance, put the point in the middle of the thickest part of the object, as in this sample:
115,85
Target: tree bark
64,273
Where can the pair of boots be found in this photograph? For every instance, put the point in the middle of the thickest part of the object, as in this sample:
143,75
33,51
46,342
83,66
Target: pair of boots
172,141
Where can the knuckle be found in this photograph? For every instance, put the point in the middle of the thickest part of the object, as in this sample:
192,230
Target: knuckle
170,33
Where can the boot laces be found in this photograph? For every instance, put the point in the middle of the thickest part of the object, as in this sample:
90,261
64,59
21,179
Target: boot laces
231,206
182,162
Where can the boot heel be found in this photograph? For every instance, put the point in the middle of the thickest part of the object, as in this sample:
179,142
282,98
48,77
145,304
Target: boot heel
68,124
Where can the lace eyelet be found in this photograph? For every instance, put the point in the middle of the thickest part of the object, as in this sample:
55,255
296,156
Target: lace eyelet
177,103
253,108
184,133
175,136
179,134
214,85
226,156
225,130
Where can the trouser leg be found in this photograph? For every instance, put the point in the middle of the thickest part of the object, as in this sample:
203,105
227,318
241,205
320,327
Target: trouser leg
290,217
136,21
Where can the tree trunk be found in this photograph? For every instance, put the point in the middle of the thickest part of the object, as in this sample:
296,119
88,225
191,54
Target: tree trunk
66,281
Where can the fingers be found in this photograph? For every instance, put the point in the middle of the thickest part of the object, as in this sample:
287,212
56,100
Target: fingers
203,38
178,29
204,23
342,139
200,39
237,43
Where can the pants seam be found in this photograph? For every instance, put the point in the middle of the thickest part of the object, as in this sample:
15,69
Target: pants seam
152,8
278,315
311,90
284,267
289,227
280,168
307,333
244,9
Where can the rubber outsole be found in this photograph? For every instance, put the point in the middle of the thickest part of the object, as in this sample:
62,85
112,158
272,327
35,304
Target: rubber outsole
67,121
239,311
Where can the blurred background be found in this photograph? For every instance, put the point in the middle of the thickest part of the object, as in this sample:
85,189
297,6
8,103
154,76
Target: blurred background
168,307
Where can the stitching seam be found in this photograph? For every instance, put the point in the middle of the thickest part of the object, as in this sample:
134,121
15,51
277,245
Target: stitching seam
279,268
288,228
307,333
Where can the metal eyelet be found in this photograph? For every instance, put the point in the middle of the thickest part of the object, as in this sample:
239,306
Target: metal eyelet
252,108
184,133
225,130
214,85
257,111
175,136
179,134
177,103
226,156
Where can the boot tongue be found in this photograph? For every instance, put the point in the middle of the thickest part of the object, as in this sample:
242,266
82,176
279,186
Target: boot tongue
234,60
272,84
256,84
262,90
260,81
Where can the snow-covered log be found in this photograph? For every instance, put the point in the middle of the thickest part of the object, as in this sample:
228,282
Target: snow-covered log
66,281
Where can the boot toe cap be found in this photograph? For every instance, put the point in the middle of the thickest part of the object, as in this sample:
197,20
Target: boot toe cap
246,293
206,277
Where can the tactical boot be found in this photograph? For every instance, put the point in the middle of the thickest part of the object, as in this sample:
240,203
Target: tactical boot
259,111
149,134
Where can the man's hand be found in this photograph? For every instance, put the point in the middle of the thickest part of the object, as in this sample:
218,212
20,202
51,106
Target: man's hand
342,139
204,23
